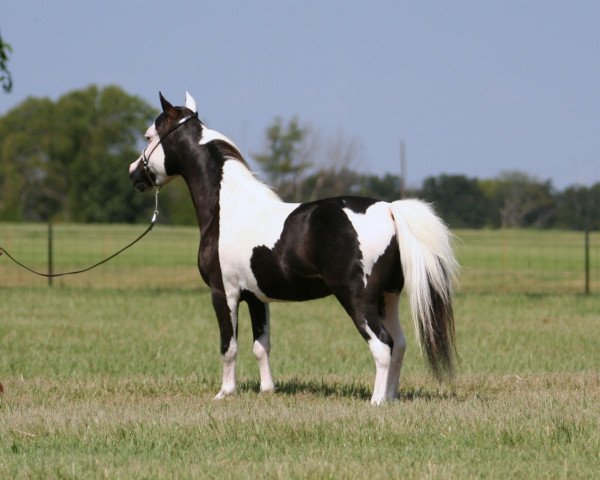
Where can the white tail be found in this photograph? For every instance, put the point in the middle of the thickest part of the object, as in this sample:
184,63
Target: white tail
429,269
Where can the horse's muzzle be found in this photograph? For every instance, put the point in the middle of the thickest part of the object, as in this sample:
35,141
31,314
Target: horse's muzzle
139,177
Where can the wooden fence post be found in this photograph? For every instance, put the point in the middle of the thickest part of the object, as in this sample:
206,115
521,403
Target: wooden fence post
587,261
50,253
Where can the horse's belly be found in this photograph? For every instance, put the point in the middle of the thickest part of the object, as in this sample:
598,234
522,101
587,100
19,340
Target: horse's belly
267,280
275,285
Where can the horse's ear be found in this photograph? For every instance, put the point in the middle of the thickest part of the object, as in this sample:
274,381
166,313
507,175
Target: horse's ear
166,106
190,103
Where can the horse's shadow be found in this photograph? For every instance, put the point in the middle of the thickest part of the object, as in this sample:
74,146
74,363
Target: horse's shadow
322,388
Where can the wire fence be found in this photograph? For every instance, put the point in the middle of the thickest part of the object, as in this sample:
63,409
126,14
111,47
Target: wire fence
492,261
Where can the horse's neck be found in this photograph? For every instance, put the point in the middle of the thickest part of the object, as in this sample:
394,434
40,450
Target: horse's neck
235,188
240,188
250,213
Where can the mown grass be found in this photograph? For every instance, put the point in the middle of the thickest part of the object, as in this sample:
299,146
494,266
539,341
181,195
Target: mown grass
119,384
165,258
533,261
512,261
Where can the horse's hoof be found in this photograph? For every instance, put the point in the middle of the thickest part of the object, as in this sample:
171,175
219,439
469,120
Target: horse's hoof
222,394
267,390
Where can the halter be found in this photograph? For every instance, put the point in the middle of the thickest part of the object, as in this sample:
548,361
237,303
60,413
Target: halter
146,159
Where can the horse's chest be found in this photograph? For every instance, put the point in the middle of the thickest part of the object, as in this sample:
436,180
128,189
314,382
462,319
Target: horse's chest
240,234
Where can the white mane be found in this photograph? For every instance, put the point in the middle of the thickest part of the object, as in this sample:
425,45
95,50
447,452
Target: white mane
209,135
237,177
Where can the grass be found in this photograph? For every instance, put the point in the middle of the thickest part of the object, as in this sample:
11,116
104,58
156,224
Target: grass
534,261
511,261
115,383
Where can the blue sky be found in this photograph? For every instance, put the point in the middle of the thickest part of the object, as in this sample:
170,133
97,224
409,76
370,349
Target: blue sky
472,87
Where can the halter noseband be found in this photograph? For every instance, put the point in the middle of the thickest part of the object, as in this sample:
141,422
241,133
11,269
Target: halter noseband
146,159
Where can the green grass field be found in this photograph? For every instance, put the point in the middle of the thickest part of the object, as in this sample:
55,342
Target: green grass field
512,261
112,374
115,383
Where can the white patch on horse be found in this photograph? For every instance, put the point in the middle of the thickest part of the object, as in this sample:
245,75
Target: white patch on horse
374,230
242,228
228,386
261,349
209,135
156,157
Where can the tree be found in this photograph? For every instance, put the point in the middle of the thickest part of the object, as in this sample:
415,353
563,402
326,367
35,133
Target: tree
334,159
521,200
5,76
302,165
103,127
387,188
25,167
459,200
283,161
578,208
69,158
331,183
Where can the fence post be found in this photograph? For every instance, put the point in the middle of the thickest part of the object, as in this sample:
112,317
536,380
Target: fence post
50,253
587,261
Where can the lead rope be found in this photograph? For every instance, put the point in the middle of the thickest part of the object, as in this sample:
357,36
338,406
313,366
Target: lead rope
152,222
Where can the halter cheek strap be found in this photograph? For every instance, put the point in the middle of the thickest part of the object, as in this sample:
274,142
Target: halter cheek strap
146,159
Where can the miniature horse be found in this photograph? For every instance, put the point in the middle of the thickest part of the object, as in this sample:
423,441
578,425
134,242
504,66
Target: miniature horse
256,248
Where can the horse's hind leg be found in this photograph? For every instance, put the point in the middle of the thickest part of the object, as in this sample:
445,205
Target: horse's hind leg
391,323
381,345
259,314
368,321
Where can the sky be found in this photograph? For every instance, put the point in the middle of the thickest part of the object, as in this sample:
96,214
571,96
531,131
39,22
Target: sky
472,87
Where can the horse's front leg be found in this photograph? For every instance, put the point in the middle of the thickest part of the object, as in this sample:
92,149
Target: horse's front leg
259,314
227,316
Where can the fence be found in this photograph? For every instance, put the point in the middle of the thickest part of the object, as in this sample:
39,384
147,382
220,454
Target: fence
509,261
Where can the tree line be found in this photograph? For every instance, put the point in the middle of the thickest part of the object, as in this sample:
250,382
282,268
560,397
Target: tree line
68,159
512,200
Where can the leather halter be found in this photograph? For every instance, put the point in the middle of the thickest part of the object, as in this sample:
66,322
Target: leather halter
146,159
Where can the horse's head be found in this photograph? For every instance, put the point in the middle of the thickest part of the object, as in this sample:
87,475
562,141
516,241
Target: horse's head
156,166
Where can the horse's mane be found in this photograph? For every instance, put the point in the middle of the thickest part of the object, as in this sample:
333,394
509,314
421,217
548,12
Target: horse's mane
245,178
227,150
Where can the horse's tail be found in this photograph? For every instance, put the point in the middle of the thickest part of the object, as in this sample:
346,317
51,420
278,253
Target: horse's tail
429,267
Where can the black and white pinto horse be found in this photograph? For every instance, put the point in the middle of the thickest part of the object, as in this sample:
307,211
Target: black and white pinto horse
256,248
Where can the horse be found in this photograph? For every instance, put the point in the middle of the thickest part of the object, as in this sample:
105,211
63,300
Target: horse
256,248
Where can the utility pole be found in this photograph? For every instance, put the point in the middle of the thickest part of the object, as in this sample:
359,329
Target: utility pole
402,169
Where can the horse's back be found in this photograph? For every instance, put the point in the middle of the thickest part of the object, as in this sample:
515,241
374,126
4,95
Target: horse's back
327,245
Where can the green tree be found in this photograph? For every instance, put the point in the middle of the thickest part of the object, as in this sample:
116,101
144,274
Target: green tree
70,157
459,200
331,183
521,200
283,162
5,76
104,127
25,162
388,187
578,208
